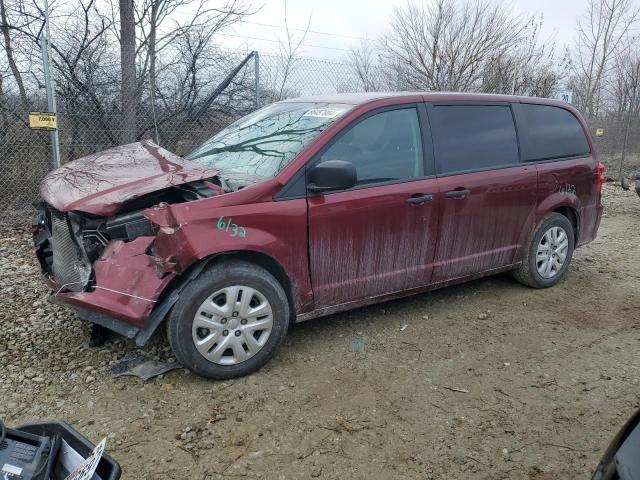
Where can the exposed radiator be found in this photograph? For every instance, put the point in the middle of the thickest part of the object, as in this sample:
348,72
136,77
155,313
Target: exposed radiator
70,269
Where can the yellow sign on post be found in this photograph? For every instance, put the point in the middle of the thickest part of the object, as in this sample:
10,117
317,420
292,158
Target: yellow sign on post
43,121
599,132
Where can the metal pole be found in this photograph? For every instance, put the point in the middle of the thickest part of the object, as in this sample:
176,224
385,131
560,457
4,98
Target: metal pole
220,88
626,138
48,81
257,72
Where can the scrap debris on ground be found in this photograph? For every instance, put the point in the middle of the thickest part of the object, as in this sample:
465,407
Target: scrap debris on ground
142,367
489,380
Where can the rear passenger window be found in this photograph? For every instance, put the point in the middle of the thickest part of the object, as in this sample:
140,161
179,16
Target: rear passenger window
473,137
384,147
550,132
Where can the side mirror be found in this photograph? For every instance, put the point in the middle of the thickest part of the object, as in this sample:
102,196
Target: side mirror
332,175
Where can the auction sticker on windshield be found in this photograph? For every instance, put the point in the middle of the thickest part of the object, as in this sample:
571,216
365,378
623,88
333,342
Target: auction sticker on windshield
323,112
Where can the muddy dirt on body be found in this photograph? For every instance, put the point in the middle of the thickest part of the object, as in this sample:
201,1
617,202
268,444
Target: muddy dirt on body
484,380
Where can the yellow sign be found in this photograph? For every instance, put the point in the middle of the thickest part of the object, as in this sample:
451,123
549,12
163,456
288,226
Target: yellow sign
599,132
43,121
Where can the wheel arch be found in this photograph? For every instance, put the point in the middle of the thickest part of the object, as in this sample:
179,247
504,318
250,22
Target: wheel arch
263,260
567,205
572,214
570,211
171,293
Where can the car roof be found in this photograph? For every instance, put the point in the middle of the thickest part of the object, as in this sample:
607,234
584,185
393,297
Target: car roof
365,97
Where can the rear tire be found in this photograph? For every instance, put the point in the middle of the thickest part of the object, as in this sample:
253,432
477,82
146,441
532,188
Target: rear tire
229,321
549,253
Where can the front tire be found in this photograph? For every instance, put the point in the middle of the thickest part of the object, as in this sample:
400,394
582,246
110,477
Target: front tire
549,253
229,321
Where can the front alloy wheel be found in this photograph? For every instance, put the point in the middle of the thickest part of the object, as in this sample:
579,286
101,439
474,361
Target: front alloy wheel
232,325
229,321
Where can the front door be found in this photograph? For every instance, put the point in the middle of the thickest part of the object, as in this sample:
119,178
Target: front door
488,198
378,237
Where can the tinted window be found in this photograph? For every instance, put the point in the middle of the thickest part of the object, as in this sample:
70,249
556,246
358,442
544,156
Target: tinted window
384,147
550,132
473,137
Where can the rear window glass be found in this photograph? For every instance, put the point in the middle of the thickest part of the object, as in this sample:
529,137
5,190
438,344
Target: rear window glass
550,132
473,137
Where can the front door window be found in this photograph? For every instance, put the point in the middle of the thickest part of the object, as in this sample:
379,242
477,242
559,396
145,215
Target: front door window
383,147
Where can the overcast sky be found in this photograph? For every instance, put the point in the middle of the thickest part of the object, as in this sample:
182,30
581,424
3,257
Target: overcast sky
355,19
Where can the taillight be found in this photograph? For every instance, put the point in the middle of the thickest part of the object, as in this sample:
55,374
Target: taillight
600,176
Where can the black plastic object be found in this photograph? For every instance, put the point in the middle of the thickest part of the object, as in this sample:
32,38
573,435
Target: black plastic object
142,367
129,226
332,175
24,456
108,468
620,460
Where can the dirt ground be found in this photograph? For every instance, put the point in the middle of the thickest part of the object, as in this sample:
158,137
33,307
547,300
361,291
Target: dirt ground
484,380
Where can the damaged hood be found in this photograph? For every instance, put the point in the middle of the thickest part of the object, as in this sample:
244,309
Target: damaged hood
102,182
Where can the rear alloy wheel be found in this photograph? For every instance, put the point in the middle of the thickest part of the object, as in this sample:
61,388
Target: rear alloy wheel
552,252
549,253
229,321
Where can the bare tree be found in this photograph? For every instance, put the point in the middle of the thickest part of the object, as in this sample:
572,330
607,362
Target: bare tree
289,54
446,45
83,63
625,82
530,68
626,92
600,36
184,84
366,67
6,27
155,37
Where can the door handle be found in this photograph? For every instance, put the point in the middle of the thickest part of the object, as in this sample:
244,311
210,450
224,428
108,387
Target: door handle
420,199
458,193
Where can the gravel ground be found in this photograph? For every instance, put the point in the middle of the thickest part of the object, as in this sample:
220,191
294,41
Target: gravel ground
484,380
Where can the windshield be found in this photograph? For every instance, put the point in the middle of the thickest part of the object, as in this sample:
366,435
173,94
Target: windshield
263,142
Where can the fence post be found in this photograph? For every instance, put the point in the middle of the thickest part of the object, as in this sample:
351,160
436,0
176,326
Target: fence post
626,139
128,81
48,81
256,57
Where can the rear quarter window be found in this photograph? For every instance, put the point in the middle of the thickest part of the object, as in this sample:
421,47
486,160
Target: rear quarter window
548,133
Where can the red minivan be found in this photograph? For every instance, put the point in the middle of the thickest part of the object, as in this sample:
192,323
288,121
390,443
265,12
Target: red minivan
312,206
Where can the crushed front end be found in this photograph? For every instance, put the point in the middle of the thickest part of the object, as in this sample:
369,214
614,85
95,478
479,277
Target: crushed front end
101,223
103,266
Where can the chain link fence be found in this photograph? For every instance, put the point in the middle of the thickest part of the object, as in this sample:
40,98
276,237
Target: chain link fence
181,116
90,117
610,144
